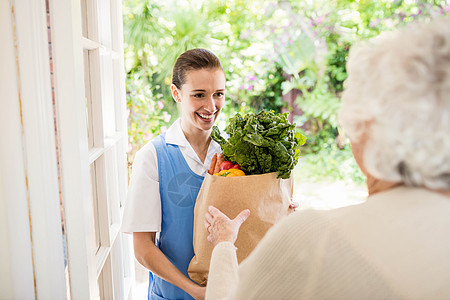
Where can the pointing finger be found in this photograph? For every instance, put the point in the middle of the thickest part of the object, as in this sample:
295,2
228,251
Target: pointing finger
243,215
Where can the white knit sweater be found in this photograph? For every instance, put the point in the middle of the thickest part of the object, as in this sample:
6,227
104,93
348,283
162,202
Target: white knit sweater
396,245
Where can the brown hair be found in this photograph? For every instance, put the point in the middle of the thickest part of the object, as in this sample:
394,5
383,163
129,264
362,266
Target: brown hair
194,59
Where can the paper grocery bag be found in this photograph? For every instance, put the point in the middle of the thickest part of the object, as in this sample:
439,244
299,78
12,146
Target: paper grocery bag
268,199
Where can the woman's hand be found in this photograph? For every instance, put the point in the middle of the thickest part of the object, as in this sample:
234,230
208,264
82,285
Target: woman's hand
221,228
199,292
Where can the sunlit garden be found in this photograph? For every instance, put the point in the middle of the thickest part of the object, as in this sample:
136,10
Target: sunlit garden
285,56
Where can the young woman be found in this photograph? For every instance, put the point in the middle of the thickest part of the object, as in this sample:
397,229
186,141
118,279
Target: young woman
167,175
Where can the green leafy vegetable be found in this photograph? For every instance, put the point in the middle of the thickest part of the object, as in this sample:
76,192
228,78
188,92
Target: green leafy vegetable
261,143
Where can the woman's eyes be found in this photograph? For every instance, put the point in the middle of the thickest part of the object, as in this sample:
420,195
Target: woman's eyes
201,95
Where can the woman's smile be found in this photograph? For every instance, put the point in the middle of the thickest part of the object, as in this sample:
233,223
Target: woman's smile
206,117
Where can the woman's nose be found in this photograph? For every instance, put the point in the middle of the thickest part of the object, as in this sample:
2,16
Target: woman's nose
210,104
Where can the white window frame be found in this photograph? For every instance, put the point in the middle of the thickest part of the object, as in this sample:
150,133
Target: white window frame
104,272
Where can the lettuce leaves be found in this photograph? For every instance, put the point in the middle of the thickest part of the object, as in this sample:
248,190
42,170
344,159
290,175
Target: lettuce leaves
261,143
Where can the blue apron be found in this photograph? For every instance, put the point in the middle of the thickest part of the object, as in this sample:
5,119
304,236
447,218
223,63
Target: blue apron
178,187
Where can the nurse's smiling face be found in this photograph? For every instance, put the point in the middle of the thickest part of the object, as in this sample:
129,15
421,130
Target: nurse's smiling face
202,97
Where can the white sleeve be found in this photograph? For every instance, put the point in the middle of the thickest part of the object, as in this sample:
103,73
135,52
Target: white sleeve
223,271
142,211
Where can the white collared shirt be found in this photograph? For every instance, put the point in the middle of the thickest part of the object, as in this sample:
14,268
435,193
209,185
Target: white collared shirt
142,211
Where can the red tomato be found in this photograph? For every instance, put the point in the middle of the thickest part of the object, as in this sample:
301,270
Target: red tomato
236,166
226,165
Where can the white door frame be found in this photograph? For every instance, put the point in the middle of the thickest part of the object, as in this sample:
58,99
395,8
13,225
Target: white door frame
31,239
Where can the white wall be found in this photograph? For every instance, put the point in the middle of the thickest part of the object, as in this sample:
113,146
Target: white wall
16,277
31,252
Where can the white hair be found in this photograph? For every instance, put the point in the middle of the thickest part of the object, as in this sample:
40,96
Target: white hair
398,93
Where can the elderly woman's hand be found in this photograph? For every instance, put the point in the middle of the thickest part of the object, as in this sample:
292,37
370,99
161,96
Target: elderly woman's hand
221,228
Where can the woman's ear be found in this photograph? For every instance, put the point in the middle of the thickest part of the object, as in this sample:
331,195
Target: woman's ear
175,93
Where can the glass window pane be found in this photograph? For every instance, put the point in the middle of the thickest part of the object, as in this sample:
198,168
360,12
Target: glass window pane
107,92
104,16
116,26
112,186
88,98
105,284
84,18
95,207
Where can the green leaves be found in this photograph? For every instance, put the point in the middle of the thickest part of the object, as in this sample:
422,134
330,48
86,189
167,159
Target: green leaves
261,143
298,56
215,135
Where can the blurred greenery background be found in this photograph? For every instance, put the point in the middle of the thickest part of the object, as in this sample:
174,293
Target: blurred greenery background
285,56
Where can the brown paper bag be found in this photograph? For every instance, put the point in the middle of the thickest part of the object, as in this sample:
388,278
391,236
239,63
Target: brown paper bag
268,199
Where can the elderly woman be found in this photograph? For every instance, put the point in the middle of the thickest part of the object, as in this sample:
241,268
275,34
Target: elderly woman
396,245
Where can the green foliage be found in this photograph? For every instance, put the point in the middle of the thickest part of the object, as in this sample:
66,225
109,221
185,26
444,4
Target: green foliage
261,143
321,136
149,112
336,72
271,97
336,25
329,163
298,55
321,104
266,51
